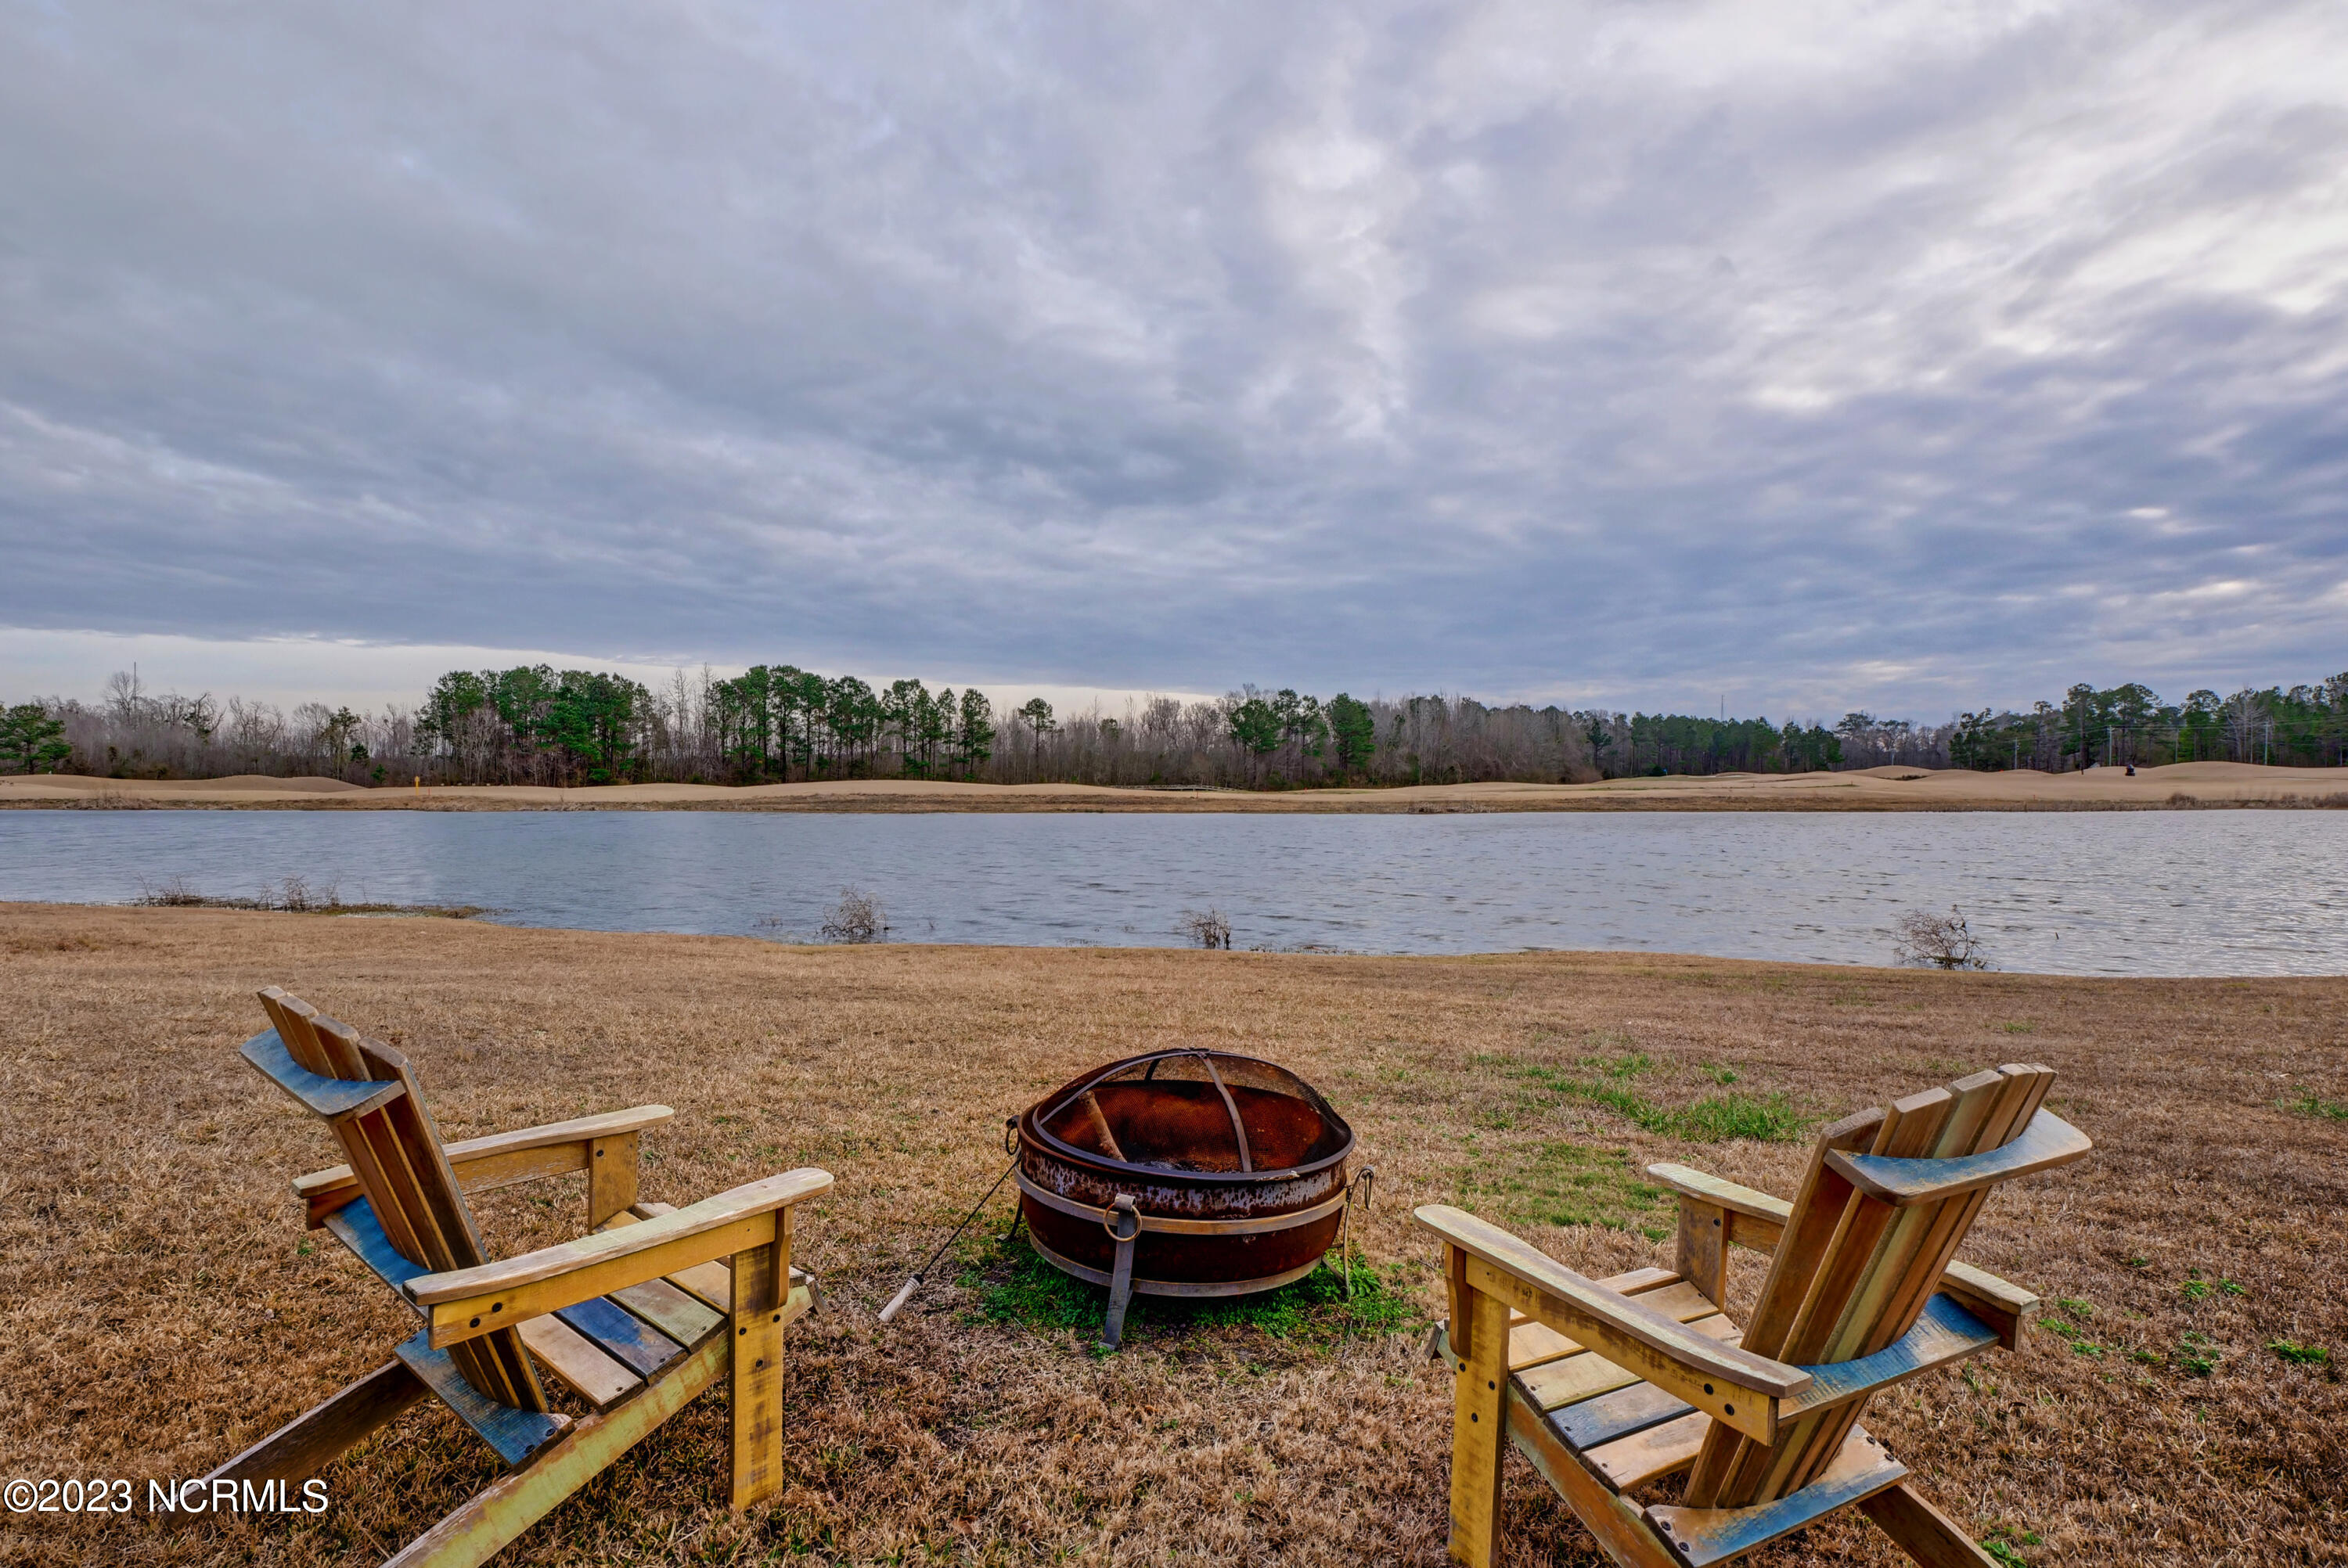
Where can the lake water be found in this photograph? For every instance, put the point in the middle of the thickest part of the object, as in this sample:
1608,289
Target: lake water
2137,893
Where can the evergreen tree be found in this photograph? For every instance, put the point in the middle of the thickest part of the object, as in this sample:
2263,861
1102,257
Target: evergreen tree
31,740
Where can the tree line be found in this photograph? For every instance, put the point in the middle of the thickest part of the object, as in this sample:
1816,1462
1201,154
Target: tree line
2130,725
777,722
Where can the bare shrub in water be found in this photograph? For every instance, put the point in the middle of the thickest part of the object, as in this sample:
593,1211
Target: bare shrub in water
294,895
1206,927
176,893
1938,942
299,898
857,918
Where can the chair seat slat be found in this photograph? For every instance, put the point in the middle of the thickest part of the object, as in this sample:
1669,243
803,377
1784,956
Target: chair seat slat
623,1336
1556,1384
670,1310
570,1356
1616,1415
1648,1455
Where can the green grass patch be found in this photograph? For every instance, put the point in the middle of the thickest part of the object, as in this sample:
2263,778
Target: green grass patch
2300,1354
2307,1103
1607,1082
1565,1184
2081,1345
1016,1286
1764,1118
2005,1544
2195,1355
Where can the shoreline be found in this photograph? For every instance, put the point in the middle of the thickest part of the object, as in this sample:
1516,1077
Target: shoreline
487,914
2182,786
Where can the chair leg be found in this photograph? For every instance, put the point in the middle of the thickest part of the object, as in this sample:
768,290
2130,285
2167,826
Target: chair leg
1621,1530
520,1499
762,1280
1923,1532
312,1441
1479,1424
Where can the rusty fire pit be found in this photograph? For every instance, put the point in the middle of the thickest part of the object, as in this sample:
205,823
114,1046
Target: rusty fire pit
1183,1173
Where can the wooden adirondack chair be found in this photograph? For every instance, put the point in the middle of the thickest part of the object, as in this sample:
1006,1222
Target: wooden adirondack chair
635,1318
1607,1385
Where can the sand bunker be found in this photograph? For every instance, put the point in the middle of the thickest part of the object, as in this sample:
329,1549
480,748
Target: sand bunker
1872,789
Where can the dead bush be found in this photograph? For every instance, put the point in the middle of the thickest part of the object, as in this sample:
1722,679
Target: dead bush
1206,927
1938,942
857,918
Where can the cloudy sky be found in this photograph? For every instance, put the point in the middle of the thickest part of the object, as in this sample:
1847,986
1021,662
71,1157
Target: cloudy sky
1805,356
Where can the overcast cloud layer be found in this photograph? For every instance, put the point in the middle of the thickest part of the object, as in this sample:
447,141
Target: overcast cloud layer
1826,356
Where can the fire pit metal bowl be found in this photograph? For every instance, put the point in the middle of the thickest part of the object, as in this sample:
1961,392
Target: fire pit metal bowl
1183,1173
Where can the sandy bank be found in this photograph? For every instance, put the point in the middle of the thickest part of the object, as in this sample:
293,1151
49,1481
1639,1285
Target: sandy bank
1876,789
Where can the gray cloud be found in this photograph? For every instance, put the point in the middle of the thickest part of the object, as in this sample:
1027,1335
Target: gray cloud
1897,355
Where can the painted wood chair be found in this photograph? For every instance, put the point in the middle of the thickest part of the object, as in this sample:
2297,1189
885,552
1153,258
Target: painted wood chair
652,1307
1608,1385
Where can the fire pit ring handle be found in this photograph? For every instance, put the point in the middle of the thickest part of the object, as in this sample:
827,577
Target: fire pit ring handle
1121,1219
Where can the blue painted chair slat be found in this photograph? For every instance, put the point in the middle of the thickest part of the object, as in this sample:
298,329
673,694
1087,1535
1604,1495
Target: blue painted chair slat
334,1099
1946,1332
623,1336
514,1434
1616,1415
2047,1143
355,1226
1700,1537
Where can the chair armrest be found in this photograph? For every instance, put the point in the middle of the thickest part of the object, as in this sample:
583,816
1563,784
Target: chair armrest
2048,1142
1749,1202
1728,1383
465,1303
499,1160
2004,1308
331,1099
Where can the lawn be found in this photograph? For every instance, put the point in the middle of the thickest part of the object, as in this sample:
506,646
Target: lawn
160,1306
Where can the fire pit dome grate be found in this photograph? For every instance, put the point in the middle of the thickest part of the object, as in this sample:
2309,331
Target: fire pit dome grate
1183,1173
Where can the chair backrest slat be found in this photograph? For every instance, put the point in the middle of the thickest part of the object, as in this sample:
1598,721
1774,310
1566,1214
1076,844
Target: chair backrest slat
395,1152
1852,1274
1991,1110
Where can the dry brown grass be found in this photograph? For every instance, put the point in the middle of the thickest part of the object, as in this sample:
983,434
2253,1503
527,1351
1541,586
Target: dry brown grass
161,1306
